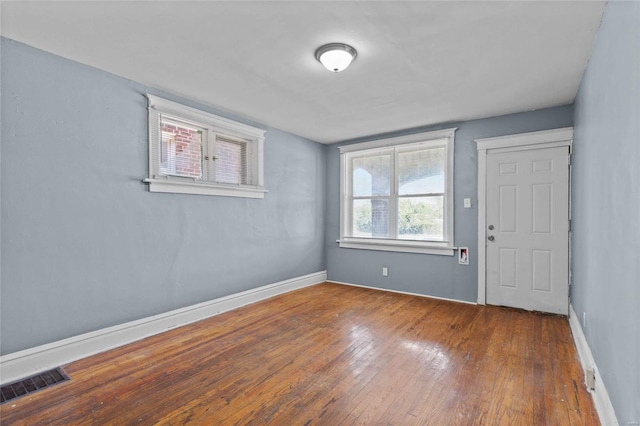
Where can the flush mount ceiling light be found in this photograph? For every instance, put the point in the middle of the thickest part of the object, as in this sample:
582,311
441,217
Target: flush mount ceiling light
336,56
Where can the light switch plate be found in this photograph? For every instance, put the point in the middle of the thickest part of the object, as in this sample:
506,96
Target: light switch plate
467,203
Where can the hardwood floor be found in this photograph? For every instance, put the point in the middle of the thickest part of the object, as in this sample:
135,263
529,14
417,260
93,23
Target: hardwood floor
331,355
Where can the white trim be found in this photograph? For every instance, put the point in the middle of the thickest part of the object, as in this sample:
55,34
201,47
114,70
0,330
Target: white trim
213,126
532,140
25,363
186,187
449,217
403,292
397,246
482,230
344,182
400,140
600,395
439,138
182,111
562,136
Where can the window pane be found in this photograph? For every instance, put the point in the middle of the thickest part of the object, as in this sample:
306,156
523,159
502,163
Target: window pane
371,176
421,171
421,218
371,218
180,150
231,164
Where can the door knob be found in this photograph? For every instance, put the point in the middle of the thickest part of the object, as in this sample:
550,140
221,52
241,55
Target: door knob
490,238
490,227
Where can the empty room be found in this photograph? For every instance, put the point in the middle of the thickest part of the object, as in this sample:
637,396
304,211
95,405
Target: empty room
320,212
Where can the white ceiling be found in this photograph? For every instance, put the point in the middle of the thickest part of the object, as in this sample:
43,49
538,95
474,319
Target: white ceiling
419,63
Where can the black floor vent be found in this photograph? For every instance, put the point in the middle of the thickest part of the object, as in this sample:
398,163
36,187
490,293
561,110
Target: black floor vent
32,384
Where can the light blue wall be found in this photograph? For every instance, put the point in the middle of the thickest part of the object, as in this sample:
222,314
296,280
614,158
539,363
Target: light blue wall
431,275
606,206
86,246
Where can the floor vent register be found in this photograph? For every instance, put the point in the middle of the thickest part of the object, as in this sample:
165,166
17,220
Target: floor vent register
32,384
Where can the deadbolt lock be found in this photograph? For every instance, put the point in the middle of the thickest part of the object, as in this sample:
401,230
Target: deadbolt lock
490,227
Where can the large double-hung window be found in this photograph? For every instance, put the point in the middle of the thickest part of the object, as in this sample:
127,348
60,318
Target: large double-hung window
397,194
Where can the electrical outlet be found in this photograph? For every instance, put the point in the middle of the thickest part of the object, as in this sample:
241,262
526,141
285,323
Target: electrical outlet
385,271
591,378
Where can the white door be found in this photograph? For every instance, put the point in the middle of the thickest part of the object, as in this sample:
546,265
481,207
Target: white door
527,219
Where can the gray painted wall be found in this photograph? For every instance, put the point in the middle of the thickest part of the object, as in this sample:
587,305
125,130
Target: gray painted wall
432,275
606,206
86,246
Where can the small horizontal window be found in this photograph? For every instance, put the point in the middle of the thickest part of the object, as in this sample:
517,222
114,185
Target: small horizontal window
195,152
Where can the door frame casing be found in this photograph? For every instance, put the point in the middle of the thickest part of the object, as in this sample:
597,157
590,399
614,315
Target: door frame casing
522,141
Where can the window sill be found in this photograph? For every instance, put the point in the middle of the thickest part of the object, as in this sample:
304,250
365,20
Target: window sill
175,187
398,246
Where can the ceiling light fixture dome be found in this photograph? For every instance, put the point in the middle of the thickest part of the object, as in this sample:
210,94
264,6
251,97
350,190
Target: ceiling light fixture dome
336,56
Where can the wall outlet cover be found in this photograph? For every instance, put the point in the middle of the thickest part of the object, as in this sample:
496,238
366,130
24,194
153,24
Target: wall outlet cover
463,255
591,378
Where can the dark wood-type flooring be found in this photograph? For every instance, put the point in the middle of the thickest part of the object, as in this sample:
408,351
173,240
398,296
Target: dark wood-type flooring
331,355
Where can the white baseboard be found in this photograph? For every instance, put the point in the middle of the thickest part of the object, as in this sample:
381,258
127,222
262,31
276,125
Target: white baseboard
403,292
31,361
600,396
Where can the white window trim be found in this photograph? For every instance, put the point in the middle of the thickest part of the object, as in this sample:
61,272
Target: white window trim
445,248
214,123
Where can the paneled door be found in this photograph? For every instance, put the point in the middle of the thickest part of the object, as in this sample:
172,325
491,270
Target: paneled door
527,235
